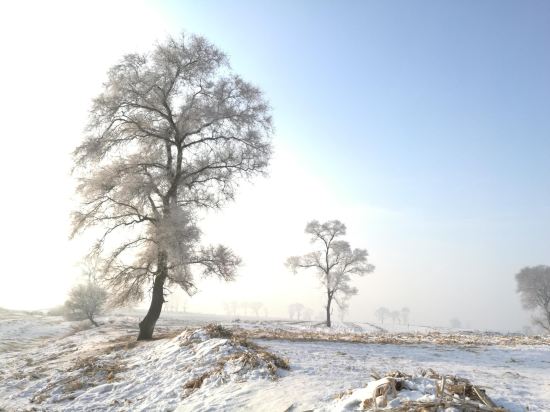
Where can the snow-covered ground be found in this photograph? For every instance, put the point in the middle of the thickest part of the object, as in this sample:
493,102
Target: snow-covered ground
19,329
48,364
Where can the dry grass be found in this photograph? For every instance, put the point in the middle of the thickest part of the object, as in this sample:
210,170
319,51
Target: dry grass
84,372
92,371
95,365
122,343
252,359
436,338
254,351
218,331
247,354
196,382
452,392
168,334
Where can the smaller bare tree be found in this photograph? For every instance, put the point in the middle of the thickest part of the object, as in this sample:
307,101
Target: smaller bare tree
534,289
85,302
395,316
455,323
334,263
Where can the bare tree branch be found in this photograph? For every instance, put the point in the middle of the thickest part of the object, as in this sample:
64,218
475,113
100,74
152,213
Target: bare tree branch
334,263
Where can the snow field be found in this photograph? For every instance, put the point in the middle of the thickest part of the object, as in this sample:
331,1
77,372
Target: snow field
192,367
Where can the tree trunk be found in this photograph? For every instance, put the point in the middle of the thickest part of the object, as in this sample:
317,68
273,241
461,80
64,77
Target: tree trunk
91,318
329,302
147,325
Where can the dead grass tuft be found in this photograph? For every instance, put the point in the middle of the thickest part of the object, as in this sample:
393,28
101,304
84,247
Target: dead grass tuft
256,356
218,331
196,382
247,355
275,360
122,343
84,373
452,393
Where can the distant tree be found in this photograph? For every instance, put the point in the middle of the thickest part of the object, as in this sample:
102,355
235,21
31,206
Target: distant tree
395,316
308,314
256,307
405,312
226,308
85,302
335,262
231,308
382,313
455,323
176,301
244,307
527,330
172,133
533,286
295,311
342,312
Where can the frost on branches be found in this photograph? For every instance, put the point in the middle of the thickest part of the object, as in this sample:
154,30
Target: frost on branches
334,263
533,285
172,133
85,302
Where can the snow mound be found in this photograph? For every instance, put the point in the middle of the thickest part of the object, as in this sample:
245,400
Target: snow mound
122,374
219,357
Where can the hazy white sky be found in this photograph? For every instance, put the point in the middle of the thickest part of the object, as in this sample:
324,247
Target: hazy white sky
442,262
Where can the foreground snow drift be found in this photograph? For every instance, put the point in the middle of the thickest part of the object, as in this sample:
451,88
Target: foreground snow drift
81,372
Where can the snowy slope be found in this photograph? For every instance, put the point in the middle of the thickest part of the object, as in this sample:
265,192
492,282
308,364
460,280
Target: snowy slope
197,369
106,369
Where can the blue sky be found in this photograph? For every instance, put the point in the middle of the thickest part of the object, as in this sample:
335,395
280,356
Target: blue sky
439,107
436,111
423,125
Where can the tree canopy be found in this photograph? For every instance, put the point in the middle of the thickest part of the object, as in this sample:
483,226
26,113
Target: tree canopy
533,286
335,262
172,133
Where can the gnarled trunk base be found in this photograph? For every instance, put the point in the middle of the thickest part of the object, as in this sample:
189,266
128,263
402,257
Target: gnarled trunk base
147,325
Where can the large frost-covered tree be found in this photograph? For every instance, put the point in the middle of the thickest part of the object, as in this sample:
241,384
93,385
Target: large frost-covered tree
172,133
335,262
